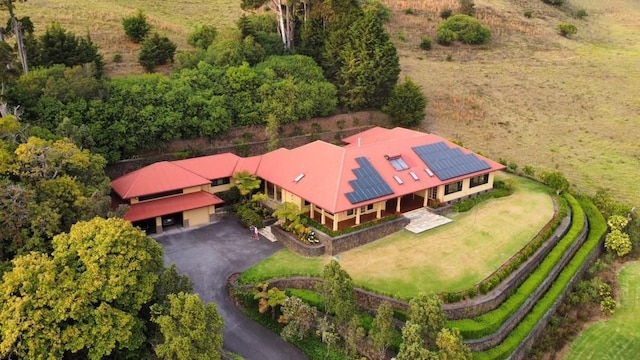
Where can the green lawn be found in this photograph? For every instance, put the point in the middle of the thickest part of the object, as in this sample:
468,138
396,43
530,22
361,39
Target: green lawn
404,264
619,336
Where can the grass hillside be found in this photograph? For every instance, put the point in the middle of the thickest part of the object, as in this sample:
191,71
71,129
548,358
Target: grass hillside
530,96
597,343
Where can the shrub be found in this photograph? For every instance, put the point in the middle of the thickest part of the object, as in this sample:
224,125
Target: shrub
513,167
425,44
402,37
202,37
467,7
248,215
581,14
528,14
409,11
156,51
528,170
567,29
136,27
466,29
117,57
446,13
446,37
553,2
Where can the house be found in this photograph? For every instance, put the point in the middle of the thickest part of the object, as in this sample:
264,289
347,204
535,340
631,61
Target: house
376,172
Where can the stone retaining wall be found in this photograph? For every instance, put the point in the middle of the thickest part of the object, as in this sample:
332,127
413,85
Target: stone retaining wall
496,338
364,236
521,351
295,245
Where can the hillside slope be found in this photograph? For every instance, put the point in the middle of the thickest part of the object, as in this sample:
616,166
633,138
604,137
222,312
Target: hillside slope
530,96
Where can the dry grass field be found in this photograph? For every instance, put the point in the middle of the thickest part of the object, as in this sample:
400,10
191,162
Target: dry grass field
530,96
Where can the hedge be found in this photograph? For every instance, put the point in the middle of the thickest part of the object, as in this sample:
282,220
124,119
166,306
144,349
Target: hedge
490,322
598,228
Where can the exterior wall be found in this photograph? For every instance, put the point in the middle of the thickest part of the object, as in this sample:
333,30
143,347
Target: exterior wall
466,190
218,188
197,216
288,196
191,189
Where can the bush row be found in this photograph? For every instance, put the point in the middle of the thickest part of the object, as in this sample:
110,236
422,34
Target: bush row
490,322
598,228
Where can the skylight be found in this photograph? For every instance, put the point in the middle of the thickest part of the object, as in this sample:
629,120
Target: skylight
398,180
399,164
298,178
414,176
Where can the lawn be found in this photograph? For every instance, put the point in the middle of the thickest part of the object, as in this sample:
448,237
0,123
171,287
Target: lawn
404,264
597,342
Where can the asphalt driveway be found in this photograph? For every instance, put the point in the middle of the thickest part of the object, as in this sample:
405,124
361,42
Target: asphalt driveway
209,255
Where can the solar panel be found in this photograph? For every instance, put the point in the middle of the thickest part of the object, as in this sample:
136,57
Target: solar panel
447,163
368,183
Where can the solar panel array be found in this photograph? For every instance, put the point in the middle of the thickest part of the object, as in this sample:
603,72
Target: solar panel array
448,163
368,183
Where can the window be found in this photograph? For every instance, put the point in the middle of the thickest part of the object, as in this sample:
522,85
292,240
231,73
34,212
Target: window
479,180
159,195
350,212
370,207
398,164
366,208
221,181
453,188
307,203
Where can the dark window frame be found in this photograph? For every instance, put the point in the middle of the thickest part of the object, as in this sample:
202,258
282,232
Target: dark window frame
221,181
159,195
449,189
479,180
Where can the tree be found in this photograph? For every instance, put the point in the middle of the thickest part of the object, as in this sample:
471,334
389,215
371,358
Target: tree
156,50
382,330
406,104
368,65
58,46
170,282
136,27
353,336
426,312
336,290
299,318
202,37
269,299
245,182
451,346
191,329
17,30
412,346
83,299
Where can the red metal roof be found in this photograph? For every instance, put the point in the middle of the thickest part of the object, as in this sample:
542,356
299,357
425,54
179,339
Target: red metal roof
170,205
212,166
156,178
328,168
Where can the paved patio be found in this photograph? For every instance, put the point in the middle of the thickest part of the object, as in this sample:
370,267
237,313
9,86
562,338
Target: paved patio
423,220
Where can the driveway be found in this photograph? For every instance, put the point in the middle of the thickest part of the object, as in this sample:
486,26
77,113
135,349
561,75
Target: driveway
209,255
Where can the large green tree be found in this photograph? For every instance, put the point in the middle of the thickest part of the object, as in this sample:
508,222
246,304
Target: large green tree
368,65
425,310
84,298
382,330
336,290
190,329
406,104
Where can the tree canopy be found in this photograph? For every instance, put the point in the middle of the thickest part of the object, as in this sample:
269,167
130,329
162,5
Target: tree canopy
84,298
